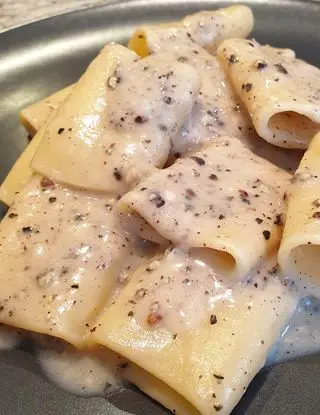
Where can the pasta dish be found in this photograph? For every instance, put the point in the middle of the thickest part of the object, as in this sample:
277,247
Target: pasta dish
163,223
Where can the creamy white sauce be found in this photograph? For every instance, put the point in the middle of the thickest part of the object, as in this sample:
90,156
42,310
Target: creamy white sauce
93,372
82,373
178,291
301,336
98,372
173,293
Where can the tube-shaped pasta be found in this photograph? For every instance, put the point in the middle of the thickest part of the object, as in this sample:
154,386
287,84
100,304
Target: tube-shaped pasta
118,121
299,253
281,93
203,342
224,198
61,253
206,28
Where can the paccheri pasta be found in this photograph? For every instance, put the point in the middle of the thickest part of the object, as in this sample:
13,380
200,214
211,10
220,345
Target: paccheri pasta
146,215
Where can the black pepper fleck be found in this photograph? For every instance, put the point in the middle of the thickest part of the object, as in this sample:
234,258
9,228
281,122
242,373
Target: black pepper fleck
213,319
281,68
157,199
198,160
260,65
279,219
247,87
140,119
266,235
46,183
117,174
233,59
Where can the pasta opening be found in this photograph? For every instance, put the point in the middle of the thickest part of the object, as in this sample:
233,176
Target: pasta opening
305,261
292,130
158,390
223,262
138,43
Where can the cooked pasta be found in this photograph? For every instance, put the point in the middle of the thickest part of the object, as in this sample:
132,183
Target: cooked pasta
280,92
224,198
93,133
299,253
146,214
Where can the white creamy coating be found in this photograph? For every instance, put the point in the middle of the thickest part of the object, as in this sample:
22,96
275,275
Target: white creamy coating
301,336
92,374
118,121
178,289
180,309
281,93
85,373
223,197
217,110
61,252
186,291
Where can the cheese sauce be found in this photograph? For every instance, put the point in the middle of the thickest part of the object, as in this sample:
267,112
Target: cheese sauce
92,373
183,289
182,305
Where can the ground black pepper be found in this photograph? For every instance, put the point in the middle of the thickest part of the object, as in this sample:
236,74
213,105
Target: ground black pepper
260,65
117,174
247,87
233,59
198,160
266,235
157,199
168,100
213,319
46,183
279,219
281,68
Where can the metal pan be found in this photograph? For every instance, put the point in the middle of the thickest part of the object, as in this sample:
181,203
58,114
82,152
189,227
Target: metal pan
39,58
